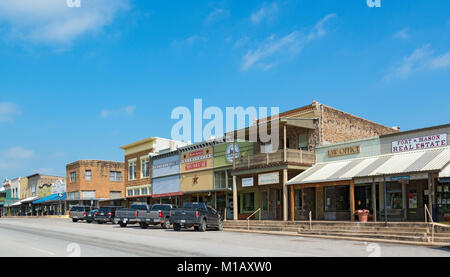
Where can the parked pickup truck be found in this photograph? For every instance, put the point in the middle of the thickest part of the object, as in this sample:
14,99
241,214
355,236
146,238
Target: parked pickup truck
78,213
158,214
197,215
126,216
105,214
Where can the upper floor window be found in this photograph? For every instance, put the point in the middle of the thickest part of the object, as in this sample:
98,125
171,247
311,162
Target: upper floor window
115,176
73,177
145,167
88,175
132,170
303,141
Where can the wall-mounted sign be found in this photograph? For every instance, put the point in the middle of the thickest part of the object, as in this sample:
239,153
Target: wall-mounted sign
268,178
344,151
247,182
419,143
199,159
229,152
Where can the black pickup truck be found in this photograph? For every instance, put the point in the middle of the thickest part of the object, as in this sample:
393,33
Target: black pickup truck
197,215
158,214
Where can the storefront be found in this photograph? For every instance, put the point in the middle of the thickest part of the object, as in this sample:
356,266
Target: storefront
197,174
166,178
345,186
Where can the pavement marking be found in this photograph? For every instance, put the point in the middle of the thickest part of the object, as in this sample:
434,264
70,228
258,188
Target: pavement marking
43,251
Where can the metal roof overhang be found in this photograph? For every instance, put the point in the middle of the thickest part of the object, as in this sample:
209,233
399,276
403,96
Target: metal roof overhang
421,161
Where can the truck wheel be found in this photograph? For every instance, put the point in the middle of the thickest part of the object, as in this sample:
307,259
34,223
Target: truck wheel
196,228
202,227
89,221
166,224
123,225
176,227
74,220
220,227
144,225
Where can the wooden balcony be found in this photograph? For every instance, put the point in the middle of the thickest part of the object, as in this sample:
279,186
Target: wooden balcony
262,159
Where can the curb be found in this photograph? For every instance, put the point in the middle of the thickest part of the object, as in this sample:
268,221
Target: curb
292,234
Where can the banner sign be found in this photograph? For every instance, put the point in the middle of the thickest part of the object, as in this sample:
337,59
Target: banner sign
247,182
268,178
419,143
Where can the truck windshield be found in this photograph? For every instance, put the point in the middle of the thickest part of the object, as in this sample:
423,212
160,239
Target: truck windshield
77,209
138,207
199,206
160,208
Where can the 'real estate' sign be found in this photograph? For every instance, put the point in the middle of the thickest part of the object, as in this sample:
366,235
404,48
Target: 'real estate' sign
419,143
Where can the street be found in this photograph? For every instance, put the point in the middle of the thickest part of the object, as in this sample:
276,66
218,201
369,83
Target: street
45,237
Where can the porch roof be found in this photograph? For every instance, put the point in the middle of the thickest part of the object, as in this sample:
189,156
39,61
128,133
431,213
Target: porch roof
420,161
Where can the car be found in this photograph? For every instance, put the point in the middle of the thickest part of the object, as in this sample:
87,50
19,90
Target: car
106,214
197,215
159,214
90,216
79,213
125,216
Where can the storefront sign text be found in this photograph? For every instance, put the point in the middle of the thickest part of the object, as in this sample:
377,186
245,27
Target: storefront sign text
344,151
419,143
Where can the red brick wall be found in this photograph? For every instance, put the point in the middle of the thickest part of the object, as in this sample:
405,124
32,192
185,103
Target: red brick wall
139,181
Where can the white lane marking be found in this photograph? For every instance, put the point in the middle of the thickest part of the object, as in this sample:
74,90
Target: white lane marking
43,251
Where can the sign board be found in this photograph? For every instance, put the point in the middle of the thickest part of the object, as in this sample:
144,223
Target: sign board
268,178
419,143
247,182
196,160
344,151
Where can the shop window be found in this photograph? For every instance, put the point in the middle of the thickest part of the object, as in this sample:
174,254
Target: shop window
136,192
264,201
298,199
248,202
394,196
337,199
130,192
219,179
144,191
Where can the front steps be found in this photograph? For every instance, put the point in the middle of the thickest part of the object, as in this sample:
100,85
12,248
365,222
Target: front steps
418,233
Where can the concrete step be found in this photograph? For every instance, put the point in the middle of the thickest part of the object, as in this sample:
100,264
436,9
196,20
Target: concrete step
331,223
375,236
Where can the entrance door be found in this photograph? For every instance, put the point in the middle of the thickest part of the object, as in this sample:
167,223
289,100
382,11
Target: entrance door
309,202
415,200
273,211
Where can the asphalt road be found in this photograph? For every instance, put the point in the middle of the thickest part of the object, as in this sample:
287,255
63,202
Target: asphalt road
39,237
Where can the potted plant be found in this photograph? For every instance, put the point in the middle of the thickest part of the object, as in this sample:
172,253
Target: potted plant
363,215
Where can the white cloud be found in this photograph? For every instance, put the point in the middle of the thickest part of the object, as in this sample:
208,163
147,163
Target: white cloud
291,44
14,157
124,111
266,12
402,34
217,15
8,110
52,21
421,59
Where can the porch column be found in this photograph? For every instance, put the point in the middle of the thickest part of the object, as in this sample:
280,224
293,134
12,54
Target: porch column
285,195
430,194
374,200
381,196
404,201
292,204
235,200
284,143
352,200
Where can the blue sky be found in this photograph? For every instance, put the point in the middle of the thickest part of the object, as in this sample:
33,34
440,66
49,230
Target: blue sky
77,83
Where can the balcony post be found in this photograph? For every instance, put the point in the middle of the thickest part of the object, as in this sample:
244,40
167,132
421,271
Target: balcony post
285,195
284,143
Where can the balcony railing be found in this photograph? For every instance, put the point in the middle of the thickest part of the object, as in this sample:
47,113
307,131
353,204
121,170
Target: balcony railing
292,156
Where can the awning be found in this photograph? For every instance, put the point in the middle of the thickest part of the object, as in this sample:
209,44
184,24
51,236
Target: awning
50,198
18,203
389,164
29,199
167,194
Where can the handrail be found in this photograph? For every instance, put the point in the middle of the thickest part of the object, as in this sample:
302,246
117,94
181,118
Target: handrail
427,212
248,218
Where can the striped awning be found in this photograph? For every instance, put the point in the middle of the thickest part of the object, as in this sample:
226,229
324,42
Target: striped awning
389,164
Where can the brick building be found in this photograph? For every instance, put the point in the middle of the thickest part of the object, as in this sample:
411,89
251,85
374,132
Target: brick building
259,179
94,180
138,173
